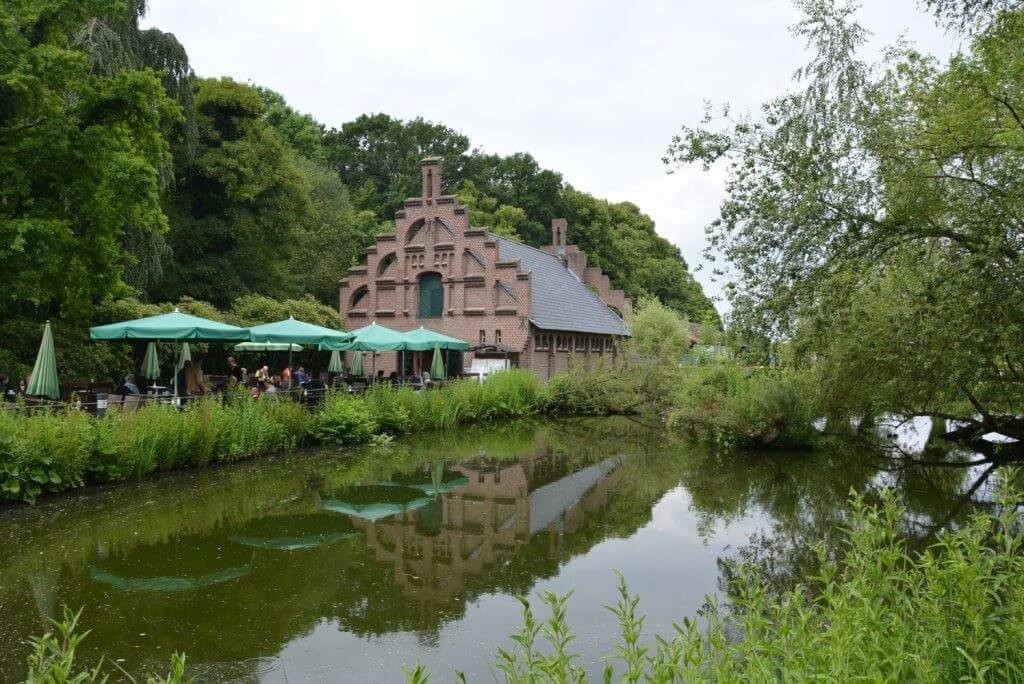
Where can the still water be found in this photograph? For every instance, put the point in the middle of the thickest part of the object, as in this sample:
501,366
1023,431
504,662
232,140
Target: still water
345,566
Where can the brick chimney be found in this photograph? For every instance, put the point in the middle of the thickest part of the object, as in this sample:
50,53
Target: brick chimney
430,171
559,226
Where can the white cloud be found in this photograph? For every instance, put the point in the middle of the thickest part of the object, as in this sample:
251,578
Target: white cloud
594,90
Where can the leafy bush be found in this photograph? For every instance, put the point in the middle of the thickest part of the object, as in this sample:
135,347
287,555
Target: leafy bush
730,406
48,453
343,419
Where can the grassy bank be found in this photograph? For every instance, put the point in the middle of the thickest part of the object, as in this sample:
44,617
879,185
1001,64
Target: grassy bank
880,613
47,452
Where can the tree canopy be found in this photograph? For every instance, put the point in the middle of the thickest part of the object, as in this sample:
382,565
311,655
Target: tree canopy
875,217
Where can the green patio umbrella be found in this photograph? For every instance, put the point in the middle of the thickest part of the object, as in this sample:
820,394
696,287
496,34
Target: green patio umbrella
299,332
437,365
184,354
150,363
174,326
266,346
335,365
372,337
43,382
357,363
424,339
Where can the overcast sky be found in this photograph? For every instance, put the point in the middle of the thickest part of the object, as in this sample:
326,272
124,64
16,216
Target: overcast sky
593,89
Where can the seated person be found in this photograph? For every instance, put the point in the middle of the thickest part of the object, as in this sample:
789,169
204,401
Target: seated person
128,386
300,376
235,372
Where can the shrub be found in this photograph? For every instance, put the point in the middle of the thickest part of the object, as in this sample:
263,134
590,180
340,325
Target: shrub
47,452
388,409
343,419
730,406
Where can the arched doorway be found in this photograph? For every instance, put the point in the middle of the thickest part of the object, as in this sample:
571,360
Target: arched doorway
431,303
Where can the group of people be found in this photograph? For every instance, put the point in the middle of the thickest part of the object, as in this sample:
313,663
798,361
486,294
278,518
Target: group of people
7,389
421,380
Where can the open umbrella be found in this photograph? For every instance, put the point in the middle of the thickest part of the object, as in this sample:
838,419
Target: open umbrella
424,339
43,382
357,363
298,332
267,346
150,363
335,365
371,337
437,365
174,326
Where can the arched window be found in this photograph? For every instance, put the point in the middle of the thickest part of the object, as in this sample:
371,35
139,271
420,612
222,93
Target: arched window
414,230
431,295
386,262
358,296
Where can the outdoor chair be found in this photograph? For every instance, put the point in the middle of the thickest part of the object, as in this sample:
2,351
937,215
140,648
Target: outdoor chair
132,403
115,402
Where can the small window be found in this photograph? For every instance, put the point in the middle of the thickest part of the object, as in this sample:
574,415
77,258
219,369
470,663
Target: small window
540,342
483,337
562,343
596,344
581,343
497,337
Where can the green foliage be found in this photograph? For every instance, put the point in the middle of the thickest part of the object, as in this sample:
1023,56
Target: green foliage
902,217
80,155
659,332
730,406
951,613
52,660
47,454
255,309
343,419
386,406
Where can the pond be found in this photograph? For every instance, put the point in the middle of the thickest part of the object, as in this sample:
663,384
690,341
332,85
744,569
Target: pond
345,566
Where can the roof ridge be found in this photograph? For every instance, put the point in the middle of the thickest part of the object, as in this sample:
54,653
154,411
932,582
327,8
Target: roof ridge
523,244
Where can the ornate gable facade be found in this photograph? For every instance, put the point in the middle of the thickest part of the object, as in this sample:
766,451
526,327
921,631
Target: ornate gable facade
503,297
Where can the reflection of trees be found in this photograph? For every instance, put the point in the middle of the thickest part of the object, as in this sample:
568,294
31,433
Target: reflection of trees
805,499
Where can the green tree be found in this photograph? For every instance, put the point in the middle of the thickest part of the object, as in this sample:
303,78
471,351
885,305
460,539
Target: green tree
80,155
875,217
658,331
236,213
378,158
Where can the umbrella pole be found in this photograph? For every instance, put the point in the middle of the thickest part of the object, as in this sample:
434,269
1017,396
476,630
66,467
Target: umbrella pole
289,366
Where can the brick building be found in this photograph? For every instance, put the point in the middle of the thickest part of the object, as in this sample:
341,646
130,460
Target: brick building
541,309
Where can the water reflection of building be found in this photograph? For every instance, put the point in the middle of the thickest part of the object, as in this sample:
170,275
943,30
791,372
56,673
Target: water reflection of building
434,550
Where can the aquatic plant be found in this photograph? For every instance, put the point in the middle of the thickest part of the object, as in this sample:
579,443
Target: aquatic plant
52,659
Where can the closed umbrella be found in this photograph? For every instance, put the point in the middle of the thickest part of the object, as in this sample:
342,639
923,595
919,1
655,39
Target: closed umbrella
43,382
184,354
150,363
437,365
357,363
335,365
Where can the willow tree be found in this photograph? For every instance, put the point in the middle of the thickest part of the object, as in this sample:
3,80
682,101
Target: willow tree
875,217
115,43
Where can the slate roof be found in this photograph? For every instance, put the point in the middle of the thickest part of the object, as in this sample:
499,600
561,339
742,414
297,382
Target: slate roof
561,301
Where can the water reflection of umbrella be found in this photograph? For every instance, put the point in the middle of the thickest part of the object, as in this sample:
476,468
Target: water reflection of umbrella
441,479
291,532
375,502
183,564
